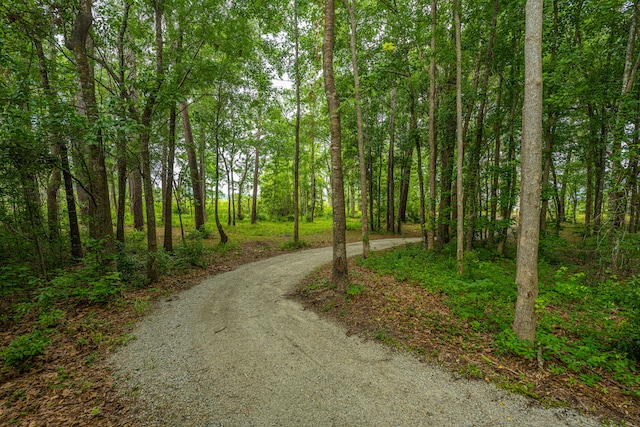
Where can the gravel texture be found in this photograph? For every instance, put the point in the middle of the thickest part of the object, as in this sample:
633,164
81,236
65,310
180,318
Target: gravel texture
234,351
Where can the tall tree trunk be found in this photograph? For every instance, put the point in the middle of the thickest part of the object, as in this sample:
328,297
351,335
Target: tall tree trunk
72,214
194,172
256,171
495,174
415,136
55,177
312,166
600,165
524,323
203,178
340,275
168,193
296,158
223,236
433,149
460,147
145,151
618,195
634,168
405,181
547,155
218,123
59,150
241,184
561,215
351,7
390,165
135,193
121,144
100,223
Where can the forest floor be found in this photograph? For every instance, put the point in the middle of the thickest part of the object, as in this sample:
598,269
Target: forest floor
71,384
404,315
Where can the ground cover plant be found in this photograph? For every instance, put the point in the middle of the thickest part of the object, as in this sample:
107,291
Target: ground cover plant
586,351
56,332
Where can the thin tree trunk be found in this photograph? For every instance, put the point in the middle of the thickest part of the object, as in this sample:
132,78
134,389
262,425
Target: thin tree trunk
600,164
223,236
168,194
340,275
256,171
405,181
351,7
121,144
547,154
433,149
72,214
135,193
55,177
100,223
390,165
524,323
460,147
495,174
312,165
145,152
194,172
296,158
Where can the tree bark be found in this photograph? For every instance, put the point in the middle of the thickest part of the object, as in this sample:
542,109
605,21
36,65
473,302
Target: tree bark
135,193
55,177
145,152
390,165
524,323
100,223
223,236
340,275
256,171
296,158
168,193
121,144
460,146
351,7
194,172
433,149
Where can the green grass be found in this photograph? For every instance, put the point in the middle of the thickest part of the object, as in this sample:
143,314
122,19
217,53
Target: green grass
582,327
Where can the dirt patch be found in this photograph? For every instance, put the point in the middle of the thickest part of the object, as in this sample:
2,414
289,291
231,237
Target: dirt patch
404,315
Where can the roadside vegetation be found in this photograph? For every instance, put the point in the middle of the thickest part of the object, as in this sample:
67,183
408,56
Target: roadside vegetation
588,340
56,332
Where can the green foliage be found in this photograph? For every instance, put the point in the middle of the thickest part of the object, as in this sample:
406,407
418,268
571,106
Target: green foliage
290,245
23,349
52,318
192,251
551,247
91,282
355,289
628,295
14,278
581,327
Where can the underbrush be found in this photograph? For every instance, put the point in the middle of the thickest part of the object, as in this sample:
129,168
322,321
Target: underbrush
587,332
92,282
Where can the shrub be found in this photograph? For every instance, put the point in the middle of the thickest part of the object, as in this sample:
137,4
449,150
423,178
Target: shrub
192,251
21,351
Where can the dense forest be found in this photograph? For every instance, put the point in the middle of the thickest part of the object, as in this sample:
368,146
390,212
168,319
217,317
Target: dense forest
168,121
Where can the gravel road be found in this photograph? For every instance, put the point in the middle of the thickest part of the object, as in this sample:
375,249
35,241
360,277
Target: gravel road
234,351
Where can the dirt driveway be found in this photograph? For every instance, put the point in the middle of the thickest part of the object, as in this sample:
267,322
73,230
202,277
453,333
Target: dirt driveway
235,351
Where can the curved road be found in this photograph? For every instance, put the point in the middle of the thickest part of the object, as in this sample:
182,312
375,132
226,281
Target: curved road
235,351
